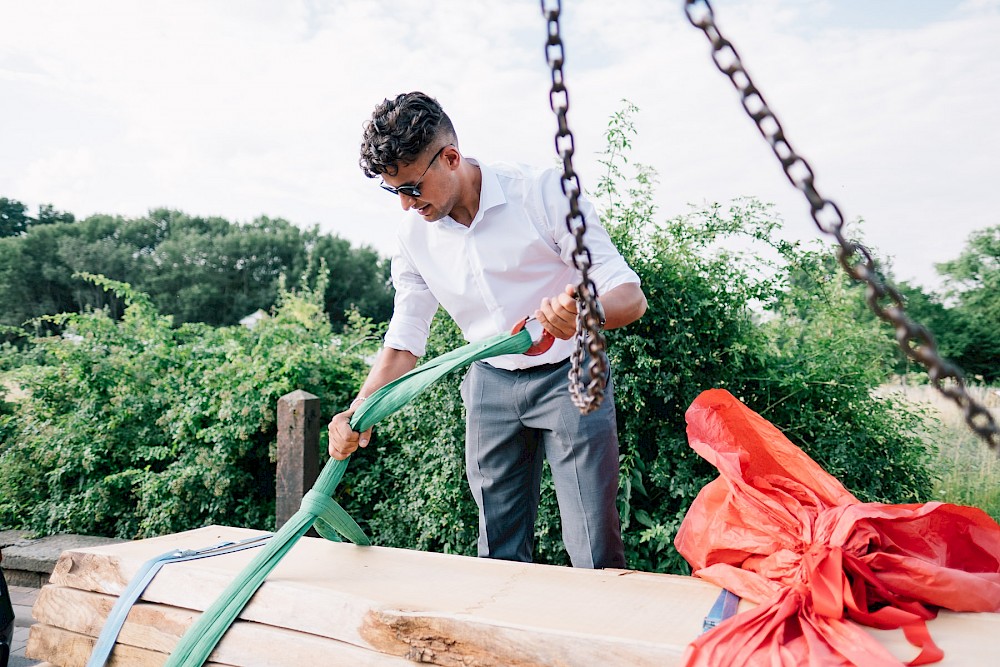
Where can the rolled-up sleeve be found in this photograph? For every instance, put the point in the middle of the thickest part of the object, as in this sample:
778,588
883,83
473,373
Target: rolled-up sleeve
608,268
413,309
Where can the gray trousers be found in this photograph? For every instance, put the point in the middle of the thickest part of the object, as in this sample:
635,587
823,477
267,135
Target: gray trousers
515,418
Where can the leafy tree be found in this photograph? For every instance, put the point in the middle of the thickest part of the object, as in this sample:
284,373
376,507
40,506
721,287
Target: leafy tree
47,215
926,308
207,270
974,285
33,281
359,278
14,219
961,316
195,269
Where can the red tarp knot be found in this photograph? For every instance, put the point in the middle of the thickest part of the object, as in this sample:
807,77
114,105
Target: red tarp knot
778,530
824,572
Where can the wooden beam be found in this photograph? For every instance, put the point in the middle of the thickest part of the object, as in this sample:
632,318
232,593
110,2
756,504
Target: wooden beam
452,610
433,607
159,628
70,649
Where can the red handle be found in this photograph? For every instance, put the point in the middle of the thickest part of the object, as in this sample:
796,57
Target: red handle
541,340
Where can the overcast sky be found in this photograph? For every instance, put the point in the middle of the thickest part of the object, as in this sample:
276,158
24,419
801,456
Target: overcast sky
241,108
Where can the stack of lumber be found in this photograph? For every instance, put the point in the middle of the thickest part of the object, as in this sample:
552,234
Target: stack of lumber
338,604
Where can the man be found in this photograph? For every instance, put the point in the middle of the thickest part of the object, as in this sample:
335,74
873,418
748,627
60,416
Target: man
489,243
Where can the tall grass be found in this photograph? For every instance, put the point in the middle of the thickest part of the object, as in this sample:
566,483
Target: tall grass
966,471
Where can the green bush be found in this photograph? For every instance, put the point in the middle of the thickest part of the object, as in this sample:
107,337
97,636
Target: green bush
135,428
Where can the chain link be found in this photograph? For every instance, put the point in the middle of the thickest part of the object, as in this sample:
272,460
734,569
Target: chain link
586,396
913,338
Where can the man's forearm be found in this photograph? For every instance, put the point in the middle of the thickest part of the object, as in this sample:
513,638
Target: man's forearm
390,365
623,305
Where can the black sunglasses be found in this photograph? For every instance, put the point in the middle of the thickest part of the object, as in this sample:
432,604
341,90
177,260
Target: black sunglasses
413,190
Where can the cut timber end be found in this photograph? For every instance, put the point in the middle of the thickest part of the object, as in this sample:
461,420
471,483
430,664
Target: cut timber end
333,604
92,571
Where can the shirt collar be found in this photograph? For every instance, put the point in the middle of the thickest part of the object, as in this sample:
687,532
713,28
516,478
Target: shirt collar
490,192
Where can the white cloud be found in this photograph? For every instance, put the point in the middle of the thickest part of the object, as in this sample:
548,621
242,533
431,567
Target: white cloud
68,174
247,108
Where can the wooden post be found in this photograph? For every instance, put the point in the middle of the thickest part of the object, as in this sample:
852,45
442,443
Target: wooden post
298,451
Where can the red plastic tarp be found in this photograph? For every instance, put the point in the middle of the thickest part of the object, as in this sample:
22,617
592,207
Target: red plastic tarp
777,529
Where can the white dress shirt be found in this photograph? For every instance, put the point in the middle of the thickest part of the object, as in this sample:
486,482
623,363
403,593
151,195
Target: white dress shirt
496,271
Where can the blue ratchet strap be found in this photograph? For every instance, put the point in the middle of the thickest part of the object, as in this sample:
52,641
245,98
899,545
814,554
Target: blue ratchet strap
116,619
724,607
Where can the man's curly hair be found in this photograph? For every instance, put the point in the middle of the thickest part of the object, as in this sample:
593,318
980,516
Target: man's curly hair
400,130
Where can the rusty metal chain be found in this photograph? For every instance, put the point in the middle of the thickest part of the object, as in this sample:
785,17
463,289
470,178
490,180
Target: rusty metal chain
586,396
883,298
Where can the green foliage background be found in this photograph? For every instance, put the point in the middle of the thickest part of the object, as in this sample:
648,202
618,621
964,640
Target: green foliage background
972,337
134,426
193,268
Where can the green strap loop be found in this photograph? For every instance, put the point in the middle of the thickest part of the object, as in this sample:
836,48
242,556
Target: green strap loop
399,392
318,507
332,519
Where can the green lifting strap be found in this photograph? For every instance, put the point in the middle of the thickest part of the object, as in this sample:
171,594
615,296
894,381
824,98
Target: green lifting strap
318,507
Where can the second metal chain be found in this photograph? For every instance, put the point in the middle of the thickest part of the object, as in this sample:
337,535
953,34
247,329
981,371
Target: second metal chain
913,338
588,325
